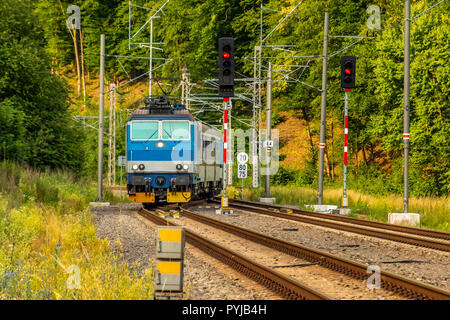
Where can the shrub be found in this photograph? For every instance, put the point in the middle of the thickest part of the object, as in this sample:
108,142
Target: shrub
46,193
284,176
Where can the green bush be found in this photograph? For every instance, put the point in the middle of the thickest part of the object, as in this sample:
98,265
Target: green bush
9,176
46,193
50,230
284,176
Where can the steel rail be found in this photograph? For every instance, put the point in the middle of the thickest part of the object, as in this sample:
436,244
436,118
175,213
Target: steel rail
374,224
406,287
274,280
351,226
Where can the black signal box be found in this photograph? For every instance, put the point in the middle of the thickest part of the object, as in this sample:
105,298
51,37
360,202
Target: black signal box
348,72
226,67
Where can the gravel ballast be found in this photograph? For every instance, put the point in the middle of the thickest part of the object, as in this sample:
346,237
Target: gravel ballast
418,263
204,277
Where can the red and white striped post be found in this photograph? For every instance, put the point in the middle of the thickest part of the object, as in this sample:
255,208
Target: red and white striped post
224,201
345,139
225,129
344,195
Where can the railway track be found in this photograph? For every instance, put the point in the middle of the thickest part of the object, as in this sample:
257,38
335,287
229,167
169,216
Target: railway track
415,236
284,285
400,285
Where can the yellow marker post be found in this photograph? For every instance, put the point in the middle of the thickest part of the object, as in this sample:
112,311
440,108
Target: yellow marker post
170,242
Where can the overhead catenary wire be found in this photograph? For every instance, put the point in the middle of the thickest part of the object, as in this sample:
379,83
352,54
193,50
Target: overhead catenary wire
433,6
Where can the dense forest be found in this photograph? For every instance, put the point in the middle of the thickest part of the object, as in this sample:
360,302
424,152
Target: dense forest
46,69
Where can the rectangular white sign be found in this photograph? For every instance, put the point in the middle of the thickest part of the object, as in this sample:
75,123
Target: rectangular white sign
121,161
242,171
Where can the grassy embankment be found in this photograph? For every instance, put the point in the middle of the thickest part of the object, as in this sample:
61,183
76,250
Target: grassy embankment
434,212
47,233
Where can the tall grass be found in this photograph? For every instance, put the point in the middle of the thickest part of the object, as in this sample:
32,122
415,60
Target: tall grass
434,212
48,238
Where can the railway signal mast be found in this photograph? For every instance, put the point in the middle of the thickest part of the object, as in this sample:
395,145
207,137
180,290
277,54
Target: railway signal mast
226,90
348,71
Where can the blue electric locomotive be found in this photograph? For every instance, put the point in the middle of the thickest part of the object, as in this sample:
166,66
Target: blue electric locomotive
171,157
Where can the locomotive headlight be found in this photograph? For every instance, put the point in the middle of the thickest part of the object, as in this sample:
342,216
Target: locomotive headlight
160,144
185,167
135,167
141,167
179,167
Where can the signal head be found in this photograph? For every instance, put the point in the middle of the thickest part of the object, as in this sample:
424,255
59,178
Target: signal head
348,70
226,67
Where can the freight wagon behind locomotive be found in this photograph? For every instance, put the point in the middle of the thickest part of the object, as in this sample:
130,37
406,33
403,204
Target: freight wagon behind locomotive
171,157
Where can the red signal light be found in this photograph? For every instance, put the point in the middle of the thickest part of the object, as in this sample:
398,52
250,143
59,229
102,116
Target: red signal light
226,55
348,71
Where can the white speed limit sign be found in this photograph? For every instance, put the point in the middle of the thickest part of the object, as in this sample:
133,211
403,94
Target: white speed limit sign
242,158
242,170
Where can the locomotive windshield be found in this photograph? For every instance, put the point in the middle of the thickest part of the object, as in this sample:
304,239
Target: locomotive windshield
144,130
175,130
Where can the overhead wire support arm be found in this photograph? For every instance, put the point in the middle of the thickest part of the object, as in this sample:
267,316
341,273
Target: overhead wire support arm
285,50
217,108
358,37
274,10
147,43
343,49
124,84
290,65
162,65
123,68
289,57
141,7
150,47
281,22
294,80
132,57
151,18
279,45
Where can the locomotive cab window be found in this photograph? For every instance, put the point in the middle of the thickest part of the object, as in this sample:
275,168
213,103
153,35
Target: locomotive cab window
144,130
175,130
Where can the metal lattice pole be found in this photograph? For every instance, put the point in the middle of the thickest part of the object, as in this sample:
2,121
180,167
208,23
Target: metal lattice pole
183,86
268,129
254,146
110,136
151,60
188,90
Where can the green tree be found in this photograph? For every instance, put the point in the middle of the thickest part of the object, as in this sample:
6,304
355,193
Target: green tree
33,101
